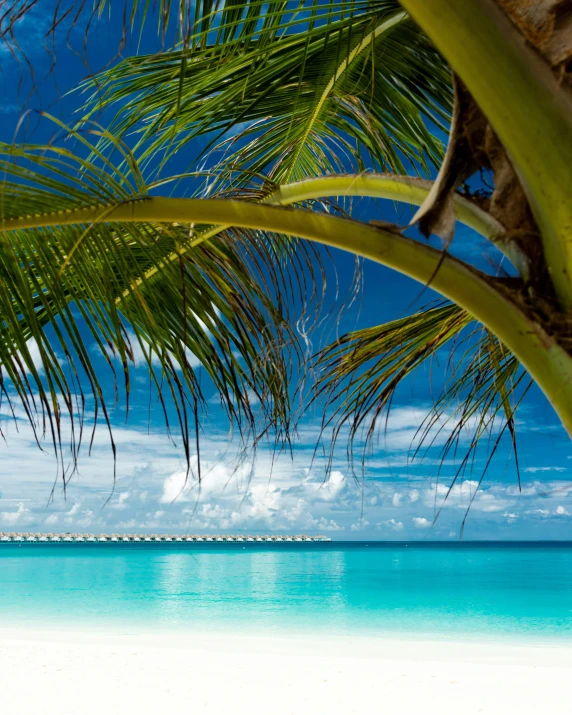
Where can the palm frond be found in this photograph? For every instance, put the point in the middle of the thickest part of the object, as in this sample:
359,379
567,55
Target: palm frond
288,91
221,306
362,371
263,93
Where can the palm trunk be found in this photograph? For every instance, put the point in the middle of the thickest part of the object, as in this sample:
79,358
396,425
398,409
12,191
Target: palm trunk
529,109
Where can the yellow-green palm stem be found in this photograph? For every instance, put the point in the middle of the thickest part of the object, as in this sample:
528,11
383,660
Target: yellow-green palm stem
527,107
404,189
546,361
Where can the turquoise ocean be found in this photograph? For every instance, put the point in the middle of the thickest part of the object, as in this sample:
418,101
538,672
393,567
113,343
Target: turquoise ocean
447,591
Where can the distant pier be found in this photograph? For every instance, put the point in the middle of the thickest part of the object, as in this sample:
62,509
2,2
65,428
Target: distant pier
33,538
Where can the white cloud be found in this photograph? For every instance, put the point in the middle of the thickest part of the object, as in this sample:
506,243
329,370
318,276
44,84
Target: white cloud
11,518
141,353
120,502
35,354
421,522
360,525
74,510
402,430
271,494
325,524
232,498
140,358
393,524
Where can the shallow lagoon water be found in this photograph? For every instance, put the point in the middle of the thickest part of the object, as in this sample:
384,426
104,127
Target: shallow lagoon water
371,589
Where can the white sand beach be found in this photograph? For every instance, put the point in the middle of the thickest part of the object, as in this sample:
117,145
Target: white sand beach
65,673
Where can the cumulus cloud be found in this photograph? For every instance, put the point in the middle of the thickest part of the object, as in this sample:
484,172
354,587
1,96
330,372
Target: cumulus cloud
538,512
142,354
400,499
392,524
153,492
35,354
216,477
35,357
231,497
14,517
421,522
74,510
360,525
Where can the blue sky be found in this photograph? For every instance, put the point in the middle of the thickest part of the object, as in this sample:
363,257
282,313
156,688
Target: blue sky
396,498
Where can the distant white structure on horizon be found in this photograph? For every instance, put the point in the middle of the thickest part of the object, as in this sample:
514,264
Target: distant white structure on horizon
12,537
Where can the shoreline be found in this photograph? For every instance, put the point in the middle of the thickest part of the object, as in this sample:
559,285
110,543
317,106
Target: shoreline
398,645
67,672
356,640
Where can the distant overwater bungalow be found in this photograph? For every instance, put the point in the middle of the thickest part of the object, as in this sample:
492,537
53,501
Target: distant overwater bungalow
67,538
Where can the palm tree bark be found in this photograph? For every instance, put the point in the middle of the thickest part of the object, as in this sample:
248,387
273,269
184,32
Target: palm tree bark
527,106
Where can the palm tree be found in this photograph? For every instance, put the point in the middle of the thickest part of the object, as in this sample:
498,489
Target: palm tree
298,103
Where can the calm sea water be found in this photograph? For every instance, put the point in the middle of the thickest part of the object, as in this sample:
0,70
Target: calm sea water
367,589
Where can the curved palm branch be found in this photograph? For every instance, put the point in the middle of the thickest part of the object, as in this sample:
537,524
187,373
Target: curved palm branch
289,94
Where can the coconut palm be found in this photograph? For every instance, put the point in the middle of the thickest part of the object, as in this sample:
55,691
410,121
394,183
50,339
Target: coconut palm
291,105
